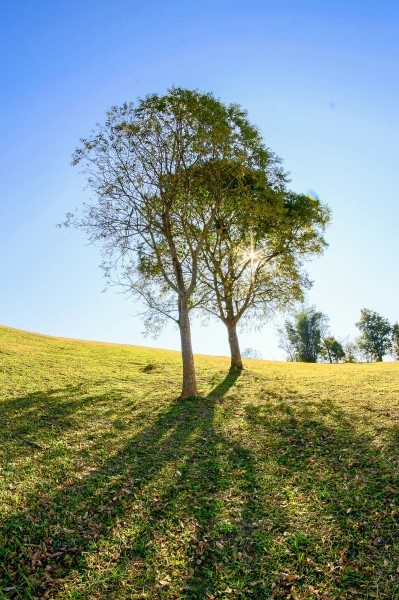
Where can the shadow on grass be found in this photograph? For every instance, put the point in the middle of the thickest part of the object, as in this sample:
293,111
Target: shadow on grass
294,503
49,540
350,477
51,410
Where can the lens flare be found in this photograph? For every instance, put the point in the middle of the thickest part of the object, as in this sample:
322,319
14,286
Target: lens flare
250,254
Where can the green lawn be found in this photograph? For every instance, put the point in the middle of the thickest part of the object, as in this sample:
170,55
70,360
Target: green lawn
281,482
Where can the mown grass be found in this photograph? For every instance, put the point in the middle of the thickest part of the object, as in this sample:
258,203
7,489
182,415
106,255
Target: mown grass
281,482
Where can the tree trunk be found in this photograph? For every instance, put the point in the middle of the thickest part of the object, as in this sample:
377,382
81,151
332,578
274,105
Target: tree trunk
189,387
236,361
328,352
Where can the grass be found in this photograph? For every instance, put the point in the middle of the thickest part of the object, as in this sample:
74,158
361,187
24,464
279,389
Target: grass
281,482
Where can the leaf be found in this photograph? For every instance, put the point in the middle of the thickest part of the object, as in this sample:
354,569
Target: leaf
314,565
289,578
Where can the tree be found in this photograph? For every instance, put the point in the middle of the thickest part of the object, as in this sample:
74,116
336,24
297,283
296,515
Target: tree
351,349
395,341
152,211
332,350
375,338
252,353
302,337
255,250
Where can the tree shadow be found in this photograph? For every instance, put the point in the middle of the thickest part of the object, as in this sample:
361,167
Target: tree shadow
65,525
218,516
50,409
164,517
46,426
352,478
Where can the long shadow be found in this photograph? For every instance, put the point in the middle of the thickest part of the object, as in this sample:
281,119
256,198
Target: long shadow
52,409
226,523
191,518
64,526
317,487
354,483
221,545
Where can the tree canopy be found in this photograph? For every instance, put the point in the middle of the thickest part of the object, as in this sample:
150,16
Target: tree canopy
395,341
158,171
332,350
255,251
375,339
302,337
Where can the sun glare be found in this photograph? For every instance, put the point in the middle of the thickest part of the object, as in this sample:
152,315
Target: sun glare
250,254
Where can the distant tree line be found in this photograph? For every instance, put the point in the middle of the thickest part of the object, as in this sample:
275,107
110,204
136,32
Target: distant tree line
307,338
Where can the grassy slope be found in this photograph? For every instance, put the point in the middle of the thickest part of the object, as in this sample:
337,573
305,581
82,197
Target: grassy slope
280,483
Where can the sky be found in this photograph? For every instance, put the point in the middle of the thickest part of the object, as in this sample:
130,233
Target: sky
319,78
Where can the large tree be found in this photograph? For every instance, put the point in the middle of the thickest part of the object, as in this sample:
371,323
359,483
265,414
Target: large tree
255,251
152,212
375,339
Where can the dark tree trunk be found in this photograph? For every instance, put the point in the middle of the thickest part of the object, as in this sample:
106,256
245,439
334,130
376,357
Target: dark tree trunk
328,353
189,387
236,361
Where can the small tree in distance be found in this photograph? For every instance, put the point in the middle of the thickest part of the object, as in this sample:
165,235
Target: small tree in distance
302,338
395,341
351,349
375,339
252,353
332,350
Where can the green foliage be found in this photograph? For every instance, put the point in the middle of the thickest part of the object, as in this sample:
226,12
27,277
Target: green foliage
254,254
351,350
332,350
157,169
375,339
186,192
302,338
395,341
281,481
153,211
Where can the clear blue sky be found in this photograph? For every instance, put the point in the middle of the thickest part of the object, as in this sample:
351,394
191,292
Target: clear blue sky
320,79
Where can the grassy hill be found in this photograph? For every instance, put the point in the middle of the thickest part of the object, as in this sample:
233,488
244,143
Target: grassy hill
281,482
